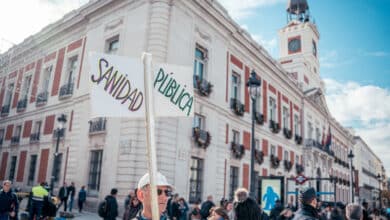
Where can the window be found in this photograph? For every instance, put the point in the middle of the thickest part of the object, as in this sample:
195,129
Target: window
112,45
31,171
18,131
8,97
200,63
286,155
297,159
46,79
233,184
72,65
37,127
296,124
12,168
257,144
1,136
235,86
236,137
286,118
309,130
57,169
318,135
199,121
272,109
273,148
95,169
196,180
26,87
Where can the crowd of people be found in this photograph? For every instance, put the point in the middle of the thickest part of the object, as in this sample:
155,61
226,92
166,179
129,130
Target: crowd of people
137,205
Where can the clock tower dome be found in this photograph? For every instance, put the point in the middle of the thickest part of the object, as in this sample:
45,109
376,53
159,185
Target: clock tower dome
298,42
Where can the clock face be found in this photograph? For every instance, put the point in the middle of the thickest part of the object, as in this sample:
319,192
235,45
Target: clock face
294,45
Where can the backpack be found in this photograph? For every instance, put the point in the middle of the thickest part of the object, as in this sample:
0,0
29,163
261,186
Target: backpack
102,209
205,210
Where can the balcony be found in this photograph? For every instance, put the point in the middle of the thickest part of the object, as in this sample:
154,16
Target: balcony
237,107
287,165
275,162
34,137
59,133
97,126
287,133
201,137
274,126
259,118
204,87
259,156
238,150
299,168
66,91
42,98
22,105
316,144
298,139
15,140
5,110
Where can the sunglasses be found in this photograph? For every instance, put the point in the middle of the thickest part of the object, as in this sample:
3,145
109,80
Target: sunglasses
167,192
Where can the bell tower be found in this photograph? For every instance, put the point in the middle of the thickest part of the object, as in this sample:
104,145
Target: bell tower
298,42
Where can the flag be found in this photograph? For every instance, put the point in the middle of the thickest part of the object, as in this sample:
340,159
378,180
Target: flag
328,141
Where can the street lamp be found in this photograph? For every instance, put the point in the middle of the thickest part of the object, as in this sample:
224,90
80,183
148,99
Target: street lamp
350,157
253,85
59,131
379,178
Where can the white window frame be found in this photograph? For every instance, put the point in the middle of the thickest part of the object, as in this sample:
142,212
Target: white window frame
108,43
272,108
198,61
236,136
199,121
23,93
286,117
9,93
309,130
296,124
47,70
236,85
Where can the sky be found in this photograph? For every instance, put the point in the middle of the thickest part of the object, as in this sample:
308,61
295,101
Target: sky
354,51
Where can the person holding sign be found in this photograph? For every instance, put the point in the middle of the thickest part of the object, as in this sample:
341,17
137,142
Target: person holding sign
164,190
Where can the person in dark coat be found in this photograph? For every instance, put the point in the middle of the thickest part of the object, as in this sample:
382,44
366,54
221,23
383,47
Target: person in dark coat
71,193
365,210
112,205
206,206
82,197
8,202
63,195
308,200
245,207
276,210
132,209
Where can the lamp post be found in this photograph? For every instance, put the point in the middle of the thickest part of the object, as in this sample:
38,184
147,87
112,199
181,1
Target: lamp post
61,122
253,85
379,178
350,157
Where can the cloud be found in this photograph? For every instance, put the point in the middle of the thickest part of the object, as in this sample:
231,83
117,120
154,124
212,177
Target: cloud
39,13
367,108
270,45
329,59
245,8
377,54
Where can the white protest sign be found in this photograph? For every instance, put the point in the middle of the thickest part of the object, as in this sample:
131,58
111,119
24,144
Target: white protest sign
173,91
117,86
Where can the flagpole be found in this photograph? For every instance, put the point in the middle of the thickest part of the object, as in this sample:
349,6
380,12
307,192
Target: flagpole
150,128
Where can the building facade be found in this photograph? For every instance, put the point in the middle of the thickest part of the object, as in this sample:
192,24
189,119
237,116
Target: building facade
48,75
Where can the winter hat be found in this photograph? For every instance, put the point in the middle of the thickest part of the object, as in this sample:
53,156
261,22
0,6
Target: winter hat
307,195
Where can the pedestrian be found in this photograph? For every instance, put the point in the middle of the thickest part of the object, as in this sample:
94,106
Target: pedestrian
276,210
354,212
71,193
164,190
308,200
132,209
219,214
230,210
195,212
326,213
365,210
183,209
8,202
206,206
63,196
37,200
111,205
82,197
286,214
129,197
245,207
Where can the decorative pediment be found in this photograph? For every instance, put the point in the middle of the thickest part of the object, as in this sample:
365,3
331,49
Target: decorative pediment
316,96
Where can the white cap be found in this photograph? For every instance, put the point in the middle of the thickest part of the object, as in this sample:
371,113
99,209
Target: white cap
161,180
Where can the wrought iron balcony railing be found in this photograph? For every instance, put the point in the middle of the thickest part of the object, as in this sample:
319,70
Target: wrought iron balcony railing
22,105
15,140
5,110
66,90
97,125
42,98
237,107
204,87
34,137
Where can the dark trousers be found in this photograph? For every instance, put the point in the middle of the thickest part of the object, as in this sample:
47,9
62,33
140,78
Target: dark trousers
35,209
81,203
65,202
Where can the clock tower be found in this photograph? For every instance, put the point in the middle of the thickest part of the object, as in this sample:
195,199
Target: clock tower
298,42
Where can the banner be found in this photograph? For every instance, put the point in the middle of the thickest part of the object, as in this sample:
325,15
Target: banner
271,190
117,88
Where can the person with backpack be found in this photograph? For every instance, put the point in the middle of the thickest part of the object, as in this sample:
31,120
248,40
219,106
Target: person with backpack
8,202
205,208
108,209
